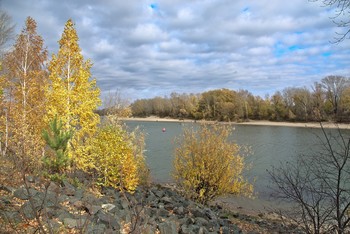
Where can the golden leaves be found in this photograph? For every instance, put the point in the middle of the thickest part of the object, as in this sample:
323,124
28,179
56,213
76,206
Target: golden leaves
72,95
25,106
207,164
112,155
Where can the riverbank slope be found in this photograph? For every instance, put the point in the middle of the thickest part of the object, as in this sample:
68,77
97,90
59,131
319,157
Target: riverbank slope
250,122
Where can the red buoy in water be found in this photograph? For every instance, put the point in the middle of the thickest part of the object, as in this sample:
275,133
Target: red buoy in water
163,130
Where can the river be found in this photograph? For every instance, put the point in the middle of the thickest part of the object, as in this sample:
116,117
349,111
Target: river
270,145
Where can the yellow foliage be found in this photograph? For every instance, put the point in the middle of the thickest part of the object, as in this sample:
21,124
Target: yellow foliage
72,95
207,165
112,154
25,106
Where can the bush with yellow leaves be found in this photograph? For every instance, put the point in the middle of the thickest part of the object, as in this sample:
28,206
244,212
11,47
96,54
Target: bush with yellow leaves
118,162
208,165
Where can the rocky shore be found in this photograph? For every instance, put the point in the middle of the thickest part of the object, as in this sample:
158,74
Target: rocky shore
64,208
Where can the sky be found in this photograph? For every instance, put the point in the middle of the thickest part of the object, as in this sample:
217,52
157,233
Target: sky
144,48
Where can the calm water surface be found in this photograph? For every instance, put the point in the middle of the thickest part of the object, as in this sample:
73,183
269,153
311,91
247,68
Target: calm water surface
270,145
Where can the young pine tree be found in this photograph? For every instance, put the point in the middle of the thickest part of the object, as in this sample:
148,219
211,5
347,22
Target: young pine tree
56,160
72,94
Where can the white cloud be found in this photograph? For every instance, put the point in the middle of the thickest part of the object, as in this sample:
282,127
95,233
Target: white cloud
152,48
147,34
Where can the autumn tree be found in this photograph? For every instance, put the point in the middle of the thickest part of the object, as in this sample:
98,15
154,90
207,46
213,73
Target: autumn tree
318,101
334,87
207,164
3,117
278,106
26,78
115,104
117,157
72,95
6,33
211,104
141,108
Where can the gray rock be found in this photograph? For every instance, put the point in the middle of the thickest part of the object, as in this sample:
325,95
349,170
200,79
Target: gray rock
32,206
224,222
70,223
150,212
150,197
198,213
166,200
185,229
79,193
68,189
186,221
53,187
28,211
124,204
161,205
202,230
7,189
92,209
51,212
30,179
225,230
159,193
236,230
11,217
23,194
63,214
162,212
201,222
78,204
90,199
149,229
194,228
108,219
5,201
108,207
62,198
179,210
168,227
51,199
209,213
54,225
96,229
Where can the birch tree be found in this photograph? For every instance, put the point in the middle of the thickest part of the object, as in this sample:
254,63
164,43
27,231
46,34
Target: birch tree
26,78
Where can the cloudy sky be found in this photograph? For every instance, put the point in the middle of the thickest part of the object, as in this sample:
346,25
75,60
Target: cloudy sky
148,48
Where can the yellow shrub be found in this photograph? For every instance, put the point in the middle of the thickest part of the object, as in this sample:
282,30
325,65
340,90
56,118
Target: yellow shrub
111,153
207,165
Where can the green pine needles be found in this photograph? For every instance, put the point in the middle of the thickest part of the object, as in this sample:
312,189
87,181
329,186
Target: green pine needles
56,159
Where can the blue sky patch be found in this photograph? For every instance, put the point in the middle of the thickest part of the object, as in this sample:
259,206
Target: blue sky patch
326,54
294,48
154,6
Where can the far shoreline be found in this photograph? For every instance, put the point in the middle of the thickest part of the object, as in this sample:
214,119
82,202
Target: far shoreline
250,122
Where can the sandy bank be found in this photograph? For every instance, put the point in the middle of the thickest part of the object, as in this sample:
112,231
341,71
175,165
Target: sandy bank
251,122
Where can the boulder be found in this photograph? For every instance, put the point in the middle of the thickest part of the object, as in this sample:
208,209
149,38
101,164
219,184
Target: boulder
70,223
108,219
24,194
169,227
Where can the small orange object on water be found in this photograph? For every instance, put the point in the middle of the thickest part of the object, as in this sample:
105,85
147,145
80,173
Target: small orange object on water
163,130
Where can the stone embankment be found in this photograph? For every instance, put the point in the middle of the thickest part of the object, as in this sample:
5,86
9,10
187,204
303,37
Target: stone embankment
157,209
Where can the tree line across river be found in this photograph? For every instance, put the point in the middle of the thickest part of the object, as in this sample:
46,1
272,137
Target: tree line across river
327,100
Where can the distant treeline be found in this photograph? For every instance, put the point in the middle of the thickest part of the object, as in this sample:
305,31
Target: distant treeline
328,99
